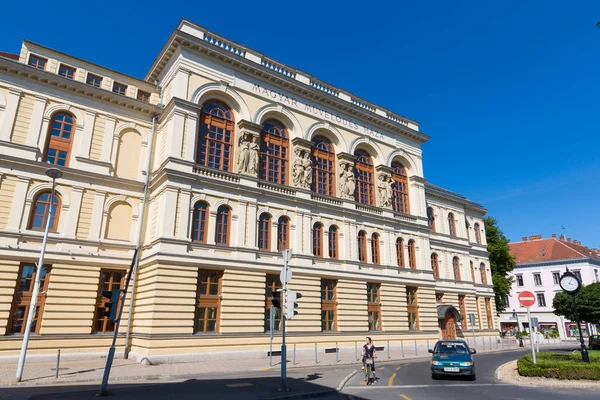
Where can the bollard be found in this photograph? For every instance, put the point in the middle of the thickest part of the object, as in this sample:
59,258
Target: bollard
416,348
402,347
355,351
388,349
316,358
294,362
337,351
57,363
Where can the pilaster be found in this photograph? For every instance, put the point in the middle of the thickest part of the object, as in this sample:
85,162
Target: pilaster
252,218
18,204
97,214
74,209
85,138
35,123
107,142
184,215
10,113
167,211
192,136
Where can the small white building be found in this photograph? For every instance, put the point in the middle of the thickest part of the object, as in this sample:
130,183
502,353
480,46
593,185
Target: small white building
540,263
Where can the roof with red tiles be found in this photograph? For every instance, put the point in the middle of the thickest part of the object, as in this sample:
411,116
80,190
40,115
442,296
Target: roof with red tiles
12,56
537,249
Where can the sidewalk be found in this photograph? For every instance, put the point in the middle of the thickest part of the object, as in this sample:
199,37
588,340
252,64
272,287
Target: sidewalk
91,371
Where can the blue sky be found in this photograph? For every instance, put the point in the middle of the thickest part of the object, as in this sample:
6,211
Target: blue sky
508,91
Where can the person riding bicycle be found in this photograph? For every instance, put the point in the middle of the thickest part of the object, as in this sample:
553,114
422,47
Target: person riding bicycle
369,353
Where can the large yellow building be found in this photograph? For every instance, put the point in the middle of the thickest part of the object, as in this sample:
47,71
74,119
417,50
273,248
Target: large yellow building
247,157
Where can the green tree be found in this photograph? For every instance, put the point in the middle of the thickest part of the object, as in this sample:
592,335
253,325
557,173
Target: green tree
587,300
501,262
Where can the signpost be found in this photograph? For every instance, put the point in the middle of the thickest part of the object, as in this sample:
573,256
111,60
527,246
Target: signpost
285,276
527,299
472,322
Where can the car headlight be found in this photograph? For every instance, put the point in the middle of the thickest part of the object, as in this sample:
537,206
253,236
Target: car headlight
466,364
436,363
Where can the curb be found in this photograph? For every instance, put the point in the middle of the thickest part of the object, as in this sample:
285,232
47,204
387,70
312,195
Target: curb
340,387
303,395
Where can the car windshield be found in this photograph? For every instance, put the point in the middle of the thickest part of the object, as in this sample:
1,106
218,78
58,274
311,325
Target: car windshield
451,348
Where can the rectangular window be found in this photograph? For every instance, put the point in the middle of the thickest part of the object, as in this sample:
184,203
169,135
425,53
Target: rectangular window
596,275
273,284
39,63
488,313
143,96
93,80
578,275
556,278
507,301
439,297
328,306
541,299
109,280
537,278
413,308
208,303
66,71
374,306
519,280
22,299
119,88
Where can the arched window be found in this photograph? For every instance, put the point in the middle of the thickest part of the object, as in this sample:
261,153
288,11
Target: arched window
400,252
41,212
431,218
363,172
435,265
333,242
456,268
274,152
222,228
451,224
62,129
215,148
323,156
467,228
375,248
412,254
477,233
400,189
317,238
264,232
473,272
362,246
483,274
283,229
200,222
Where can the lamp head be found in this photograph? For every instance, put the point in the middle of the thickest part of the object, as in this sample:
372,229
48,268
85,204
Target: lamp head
54,173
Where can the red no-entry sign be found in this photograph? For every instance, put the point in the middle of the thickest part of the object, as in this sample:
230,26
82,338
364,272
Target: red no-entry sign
527,299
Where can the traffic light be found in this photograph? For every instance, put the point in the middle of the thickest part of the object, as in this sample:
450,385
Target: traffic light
111,305
276,300
292,297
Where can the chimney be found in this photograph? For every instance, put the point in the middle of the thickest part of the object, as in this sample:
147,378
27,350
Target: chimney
577,242
554,236
524,238
562,237
535,237
569,240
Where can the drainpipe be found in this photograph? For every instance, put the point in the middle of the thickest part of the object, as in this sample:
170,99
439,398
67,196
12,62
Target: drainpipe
139,239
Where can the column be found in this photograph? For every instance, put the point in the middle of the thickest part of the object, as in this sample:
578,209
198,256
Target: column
252,218
107,142
353,242
369,250
298,234
175,134
85,138
166,222
307,229
184,215
35,123
10,113
192,137
18,203
97,213
343,241
180,84
385,252
212,227
73,214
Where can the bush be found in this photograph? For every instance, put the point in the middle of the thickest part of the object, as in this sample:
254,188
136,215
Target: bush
561,366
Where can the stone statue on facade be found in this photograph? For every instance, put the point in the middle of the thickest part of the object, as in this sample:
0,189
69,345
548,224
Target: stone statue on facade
302,169
347,183
254,152
247,161
384,187
297,168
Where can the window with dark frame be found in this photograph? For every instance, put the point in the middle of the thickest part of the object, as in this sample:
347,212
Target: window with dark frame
473,272
456,268
477,233
323,157
556,278
264,232
215,147
451,225
362,246
467,229
363,173
66,71
119,88
537,279
21,300
483,273
200,222
541,299
328,305
143,96
109,280
273,284
317,240
283,229
333,242
93,80
431,218
375,248
578,275
208,302
435,265
37,61
274,153
519,280
400,199
374,306
412,308
222,226
40,212
412,255
62,129
400,252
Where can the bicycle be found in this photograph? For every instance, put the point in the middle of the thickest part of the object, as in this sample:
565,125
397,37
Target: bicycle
369,370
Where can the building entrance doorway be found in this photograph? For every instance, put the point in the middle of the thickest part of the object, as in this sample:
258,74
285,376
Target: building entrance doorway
448,326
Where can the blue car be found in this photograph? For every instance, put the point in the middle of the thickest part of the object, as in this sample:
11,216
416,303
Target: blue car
452,358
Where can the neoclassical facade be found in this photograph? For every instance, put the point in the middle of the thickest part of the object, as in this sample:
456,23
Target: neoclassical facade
243,157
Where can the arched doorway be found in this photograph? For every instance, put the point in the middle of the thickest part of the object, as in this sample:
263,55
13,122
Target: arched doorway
448,326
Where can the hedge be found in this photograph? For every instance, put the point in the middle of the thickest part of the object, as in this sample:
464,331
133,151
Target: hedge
561,366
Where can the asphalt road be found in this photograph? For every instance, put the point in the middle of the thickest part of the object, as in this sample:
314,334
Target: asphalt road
412,381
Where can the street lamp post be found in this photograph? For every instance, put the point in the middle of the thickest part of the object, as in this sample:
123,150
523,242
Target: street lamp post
53,173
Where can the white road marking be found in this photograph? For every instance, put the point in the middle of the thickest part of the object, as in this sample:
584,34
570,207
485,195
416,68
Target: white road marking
427,386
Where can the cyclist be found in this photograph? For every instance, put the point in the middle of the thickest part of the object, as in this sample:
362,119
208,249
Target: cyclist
369,352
